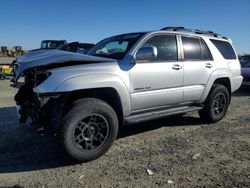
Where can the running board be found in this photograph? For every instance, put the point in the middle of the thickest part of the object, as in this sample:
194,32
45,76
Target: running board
146,116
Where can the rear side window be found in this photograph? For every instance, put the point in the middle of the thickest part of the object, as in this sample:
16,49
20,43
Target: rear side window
225,48
206,54
195,49
191,48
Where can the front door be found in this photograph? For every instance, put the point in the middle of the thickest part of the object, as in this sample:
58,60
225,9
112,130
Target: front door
157,83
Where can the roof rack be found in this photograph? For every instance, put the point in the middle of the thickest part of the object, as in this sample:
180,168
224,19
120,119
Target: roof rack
196,31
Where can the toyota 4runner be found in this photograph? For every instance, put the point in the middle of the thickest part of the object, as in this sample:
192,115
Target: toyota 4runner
127,79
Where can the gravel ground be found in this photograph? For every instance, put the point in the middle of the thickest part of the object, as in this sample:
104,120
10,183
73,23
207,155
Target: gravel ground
181,152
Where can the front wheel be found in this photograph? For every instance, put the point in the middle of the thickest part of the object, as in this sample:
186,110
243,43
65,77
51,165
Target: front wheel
90,129
216,104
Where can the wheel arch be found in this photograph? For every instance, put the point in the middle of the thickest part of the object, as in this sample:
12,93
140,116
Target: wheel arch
224,81
107,94
214,79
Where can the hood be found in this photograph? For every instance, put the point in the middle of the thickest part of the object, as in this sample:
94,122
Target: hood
55,57
32,54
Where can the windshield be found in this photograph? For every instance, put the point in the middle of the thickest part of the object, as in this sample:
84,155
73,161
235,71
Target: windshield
115,47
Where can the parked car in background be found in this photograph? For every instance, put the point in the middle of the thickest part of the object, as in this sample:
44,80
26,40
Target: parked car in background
48,45
76,47
52,44
245,69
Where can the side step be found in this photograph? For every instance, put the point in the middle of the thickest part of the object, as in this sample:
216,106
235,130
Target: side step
141,117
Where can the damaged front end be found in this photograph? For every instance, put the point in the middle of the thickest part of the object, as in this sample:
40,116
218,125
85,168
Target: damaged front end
34,108
38,102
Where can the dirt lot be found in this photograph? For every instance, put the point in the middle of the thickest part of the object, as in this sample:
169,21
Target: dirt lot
183,150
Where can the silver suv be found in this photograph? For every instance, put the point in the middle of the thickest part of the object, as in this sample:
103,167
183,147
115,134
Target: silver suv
127,79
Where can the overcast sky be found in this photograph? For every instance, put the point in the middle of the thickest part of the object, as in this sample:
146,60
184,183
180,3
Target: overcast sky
27,22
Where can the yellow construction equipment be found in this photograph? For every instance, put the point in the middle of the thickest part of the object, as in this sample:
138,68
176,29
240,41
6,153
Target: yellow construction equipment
3,51
15,51
6,71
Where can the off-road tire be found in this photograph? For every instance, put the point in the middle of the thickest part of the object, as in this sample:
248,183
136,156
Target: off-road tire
84,108
208,114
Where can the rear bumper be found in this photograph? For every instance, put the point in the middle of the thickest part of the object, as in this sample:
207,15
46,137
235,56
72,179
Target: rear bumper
236,82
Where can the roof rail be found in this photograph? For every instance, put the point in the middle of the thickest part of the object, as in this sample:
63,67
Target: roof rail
196,31
173,28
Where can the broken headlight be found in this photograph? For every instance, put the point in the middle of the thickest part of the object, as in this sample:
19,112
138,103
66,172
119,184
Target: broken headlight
41,76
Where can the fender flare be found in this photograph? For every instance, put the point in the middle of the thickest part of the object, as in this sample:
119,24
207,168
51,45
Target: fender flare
219,73
92,81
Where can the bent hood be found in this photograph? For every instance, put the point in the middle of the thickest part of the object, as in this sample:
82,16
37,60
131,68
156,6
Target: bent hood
55,57
32,54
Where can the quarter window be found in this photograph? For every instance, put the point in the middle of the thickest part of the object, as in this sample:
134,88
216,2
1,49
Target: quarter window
225,48
166,47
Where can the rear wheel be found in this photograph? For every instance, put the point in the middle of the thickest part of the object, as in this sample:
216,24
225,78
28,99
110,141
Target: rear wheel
90,129
216,104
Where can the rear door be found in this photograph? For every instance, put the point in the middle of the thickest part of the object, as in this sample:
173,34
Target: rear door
198,66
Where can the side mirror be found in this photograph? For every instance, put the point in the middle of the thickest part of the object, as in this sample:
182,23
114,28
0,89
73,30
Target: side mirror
146,54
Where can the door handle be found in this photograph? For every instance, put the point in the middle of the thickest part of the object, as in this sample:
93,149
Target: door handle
176,67
209,65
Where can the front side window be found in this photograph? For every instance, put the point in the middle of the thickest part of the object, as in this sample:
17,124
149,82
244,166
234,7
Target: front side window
166,47
115,47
